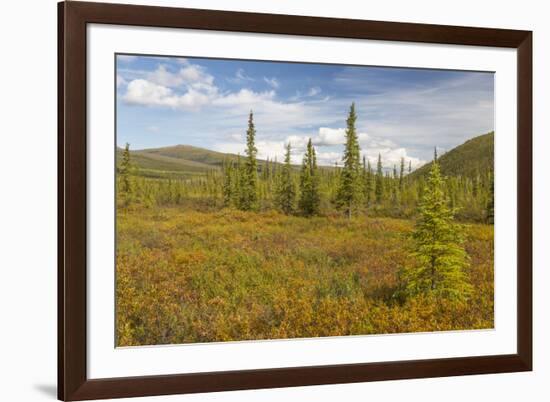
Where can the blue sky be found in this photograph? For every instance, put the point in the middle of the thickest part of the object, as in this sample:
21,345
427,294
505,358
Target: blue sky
164,101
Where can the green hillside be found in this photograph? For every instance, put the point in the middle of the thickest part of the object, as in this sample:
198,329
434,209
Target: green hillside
189,155
176,161
474,156
180,161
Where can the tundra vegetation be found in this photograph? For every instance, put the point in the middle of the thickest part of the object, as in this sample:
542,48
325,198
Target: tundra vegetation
220,247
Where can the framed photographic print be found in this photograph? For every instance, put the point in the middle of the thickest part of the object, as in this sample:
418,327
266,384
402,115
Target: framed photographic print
253,200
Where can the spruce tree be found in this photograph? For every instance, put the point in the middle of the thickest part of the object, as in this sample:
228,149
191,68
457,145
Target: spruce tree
441,260
310,199
364,176
379,184
249,184
126,184
227,188
394,186
125,171
490,210
369,184
401,174
237,182
286,189
349,192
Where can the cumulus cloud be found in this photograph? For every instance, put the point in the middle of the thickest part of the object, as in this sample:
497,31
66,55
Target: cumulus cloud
146,93
330,136
392,157
190,87
190,75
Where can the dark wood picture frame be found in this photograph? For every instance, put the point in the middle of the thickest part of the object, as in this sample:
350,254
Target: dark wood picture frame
73,383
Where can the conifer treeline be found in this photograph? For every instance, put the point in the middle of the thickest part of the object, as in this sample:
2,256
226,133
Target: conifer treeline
353,188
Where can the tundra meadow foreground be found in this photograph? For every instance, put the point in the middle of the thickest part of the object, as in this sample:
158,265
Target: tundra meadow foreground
231,275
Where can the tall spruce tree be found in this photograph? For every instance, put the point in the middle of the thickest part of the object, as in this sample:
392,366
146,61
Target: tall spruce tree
310,199
441,260
379,181
249,184
286,188
349,192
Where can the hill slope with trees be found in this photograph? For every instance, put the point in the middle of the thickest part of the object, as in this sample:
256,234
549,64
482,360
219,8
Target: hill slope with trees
473,157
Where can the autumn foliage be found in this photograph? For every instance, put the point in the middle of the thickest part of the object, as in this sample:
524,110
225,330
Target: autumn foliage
255,251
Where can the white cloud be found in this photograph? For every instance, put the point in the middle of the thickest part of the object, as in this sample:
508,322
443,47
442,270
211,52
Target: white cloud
190,75
330,144
191,87
272,82
143,92
391,157
297,142
330,136
327,137
146,93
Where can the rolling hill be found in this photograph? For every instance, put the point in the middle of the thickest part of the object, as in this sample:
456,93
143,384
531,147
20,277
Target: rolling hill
180,160
474,156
